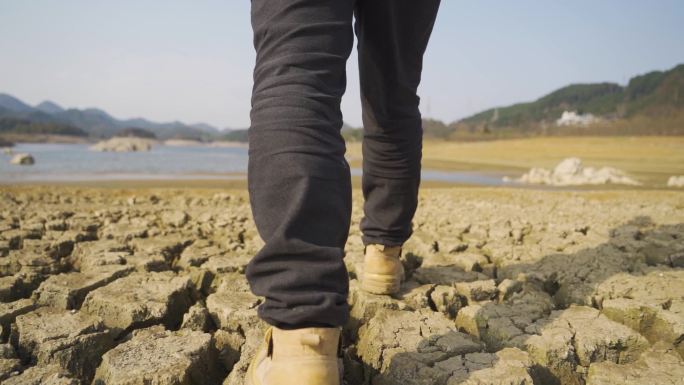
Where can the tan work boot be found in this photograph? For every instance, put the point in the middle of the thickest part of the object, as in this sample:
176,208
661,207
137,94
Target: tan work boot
307,356
382,270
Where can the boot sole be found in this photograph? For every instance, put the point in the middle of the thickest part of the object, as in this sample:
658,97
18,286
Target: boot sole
383,284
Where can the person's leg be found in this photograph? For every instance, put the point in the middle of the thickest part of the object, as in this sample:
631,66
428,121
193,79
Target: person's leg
299,181
393,35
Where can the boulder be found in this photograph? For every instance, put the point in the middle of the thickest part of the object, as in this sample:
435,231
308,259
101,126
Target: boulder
123,144
22,159
569,167
571,172
676,181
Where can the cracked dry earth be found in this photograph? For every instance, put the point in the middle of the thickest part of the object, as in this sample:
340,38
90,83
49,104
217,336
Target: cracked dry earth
505,287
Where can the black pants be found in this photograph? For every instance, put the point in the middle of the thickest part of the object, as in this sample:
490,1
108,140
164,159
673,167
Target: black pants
299,180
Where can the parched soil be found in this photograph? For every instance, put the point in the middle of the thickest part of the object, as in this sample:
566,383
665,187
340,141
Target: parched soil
144,286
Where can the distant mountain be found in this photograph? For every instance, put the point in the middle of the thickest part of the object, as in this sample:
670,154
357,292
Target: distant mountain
13,104
19,126
97,123
49,107
205,127
235,136
656,95
136,133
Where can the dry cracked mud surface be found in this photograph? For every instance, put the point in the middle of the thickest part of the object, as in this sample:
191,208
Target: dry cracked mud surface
504,287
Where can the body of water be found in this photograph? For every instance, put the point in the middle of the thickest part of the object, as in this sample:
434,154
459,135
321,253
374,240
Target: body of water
75,162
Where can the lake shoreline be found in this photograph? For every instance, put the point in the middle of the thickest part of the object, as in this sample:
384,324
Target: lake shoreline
649,160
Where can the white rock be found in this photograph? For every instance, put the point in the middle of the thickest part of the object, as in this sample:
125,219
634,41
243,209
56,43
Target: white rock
568,166
124,144
536,175
676,181
571,172
23,159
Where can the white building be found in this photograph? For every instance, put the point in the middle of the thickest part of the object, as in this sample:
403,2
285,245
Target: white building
572,118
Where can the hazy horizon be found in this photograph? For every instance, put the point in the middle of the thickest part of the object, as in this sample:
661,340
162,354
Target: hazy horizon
192,62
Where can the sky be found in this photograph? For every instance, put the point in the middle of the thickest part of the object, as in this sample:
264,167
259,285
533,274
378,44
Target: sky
191,60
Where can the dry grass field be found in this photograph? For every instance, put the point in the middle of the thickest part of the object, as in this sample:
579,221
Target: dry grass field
651,159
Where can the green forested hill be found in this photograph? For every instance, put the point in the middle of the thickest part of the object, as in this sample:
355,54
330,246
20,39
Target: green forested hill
21,126
657,95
